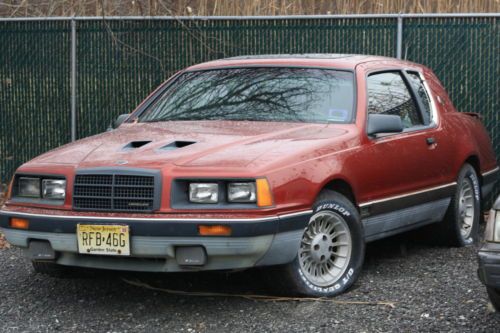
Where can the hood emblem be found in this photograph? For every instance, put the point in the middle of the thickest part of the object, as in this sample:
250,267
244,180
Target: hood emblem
121,162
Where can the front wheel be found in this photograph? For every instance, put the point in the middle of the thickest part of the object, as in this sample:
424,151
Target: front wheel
331,252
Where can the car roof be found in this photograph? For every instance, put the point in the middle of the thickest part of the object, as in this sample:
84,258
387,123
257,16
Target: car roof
335,60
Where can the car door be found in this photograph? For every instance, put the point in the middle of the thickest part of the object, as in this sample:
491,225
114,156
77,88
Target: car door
403,170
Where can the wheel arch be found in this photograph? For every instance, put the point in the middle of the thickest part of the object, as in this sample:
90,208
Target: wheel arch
474,161
341,186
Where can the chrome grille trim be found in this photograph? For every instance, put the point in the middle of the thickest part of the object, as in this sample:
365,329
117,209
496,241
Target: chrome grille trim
117,190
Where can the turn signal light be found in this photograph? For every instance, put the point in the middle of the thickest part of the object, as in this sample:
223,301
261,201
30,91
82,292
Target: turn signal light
264,196
214,230
18,223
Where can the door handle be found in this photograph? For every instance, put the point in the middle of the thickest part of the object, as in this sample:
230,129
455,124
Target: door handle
430,141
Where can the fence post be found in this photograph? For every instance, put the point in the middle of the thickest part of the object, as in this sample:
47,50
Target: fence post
73,79
399,38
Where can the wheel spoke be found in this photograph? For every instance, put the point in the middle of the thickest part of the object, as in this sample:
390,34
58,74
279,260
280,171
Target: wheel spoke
335,235
308,234
338,266
466,210
318,260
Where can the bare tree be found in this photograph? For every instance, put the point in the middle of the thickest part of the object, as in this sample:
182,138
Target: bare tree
12,8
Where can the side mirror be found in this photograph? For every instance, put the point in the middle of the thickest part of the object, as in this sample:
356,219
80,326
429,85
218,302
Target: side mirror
384,123
118,121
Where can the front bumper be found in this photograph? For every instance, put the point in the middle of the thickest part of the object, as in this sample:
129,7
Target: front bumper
489,265
254,242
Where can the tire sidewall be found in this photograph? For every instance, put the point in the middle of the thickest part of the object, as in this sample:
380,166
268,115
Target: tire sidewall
494,296
468,172
351,273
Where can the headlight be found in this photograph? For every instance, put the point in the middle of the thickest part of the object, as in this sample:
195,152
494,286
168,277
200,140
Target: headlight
39,188
28,187
241,192
54,189
204,192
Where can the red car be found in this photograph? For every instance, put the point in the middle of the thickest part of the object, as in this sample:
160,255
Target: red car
293,161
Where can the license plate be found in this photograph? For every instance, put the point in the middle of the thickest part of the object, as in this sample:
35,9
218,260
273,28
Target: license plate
113,240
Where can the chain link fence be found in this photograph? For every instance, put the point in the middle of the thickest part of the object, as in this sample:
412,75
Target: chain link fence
119,61
465,55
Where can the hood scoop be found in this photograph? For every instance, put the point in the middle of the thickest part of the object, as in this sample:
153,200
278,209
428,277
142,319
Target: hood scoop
135,144
177,144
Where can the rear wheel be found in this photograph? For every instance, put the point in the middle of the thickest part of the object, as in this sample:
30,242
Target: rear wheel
461,224
331,252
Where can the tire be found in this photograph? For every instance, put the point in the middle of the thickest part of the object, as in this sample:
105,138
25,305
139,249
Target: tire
461,222
51,269
331,253
494,295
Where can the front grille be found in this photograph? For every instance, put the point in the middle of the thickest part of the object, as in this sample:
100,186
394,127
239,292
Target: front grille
114,192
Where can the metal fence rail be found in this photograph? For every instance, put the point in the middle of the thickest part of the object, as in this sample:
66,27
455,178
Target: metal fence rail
66,78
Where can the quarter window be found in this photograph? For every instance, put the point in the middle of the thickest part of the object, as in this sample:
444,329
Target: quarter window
418,85
388,94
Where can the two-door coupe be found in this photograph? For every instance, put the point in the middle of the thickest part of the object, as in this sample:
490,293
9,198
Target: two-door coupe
294,161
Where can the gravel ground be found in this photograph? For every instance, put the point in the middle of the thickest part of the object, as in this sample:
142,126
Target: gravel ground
432,289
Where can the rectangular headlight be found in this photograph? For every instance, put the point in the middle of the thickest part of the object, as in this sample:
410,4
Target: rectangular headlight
241,192
204,192
28,187
54,189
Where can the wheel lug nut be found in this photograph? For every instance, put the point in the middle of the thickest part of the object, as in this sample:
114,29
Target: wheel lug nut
316,247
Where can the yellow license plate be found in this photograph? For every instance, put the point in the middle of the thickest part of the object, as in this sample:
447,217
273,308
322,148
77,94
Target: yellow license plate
113,240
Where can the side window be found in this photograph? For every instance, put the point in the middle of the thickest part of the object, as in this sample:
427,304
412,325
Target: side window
388,94
418,85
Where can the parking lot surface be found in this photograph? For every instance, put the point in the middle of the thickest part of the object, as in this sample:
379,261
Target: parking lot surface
406,285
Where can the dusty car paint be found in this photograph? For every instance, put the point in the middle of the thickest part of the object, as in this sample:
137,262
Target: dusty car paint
382,176
298,159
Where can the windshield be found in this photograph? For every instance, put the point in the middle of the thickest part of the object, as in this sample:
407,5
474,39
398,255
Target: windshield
257,94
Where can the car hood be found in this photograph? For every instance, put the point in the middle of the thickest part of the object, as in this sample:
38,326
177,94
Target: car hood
194,144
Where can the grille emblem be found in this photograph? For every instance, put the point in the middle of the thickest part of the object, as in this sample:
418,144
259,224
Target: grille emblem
138,204
121,162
